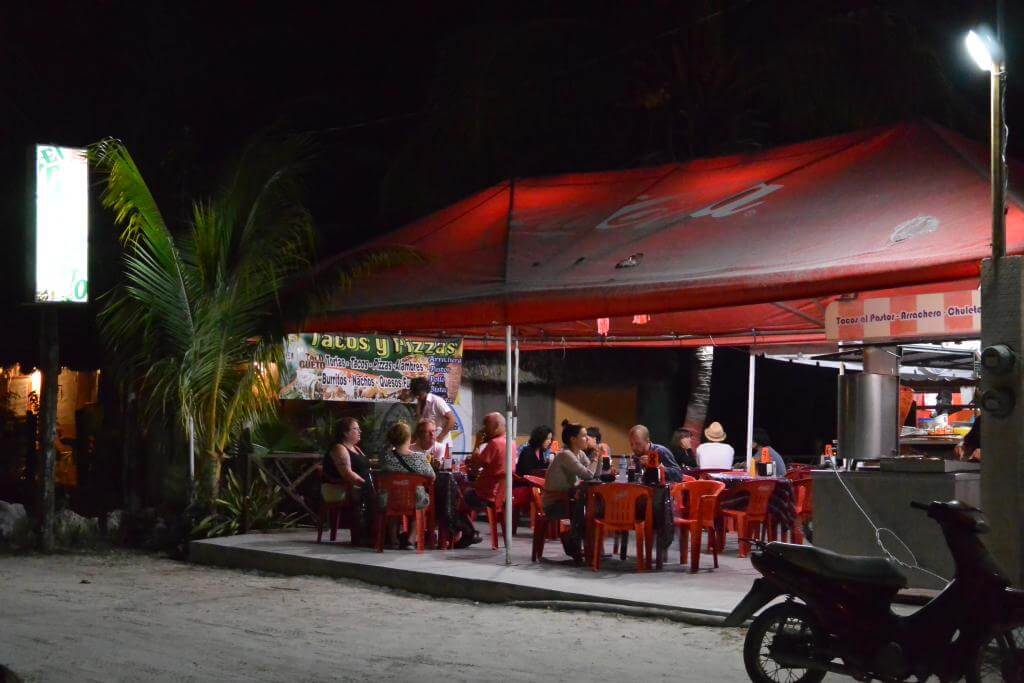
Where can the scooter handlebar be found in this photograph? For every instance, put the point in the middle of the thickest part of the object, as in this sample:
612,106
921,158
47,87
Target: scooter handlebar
920,506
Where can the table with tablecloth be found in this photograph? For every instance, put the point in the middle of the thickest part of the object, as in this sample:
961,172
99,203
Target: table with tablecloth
586,511
781,506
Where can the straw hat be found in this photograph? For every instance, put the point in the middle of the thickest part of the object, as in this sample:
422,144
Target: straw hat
714,432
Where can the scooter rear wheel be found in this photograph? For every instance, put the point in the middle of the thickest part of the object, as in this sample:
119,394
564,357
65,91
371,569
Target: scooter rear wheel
795,623
1001,659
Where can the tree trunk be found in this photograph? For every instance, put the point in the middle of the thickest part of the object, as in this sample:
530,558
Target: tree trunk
209,478
700,389
130,454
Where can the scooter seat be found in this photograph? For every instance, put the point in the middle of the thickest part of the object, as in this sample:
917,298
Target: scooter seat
876,570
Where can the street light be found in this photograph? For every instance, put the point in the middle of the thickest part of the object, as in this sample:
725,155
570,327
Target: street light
984,49
987,53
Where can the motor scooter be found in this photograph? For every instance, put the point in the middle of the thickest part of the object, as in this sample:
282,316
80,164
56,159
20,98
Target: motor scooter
837,616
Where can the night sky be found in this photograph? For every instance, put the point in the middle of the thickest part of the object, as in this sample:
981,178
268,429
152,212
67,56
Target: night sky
414,105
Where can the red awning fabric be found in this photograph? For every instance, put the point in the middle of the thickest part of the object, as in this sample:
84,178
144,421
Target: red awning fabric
745,247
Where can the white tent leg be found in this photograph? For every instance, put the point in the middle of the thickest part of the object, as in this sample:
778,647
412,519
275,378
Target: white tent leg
509,443
191,460
515,392
750,411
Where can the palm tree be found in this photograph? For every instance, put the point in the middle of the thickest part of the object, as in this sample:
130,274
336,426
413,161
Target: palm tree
197,322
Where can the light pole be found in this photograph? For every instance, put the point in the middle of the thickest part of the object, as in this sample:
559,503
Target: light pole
988,54
1002,337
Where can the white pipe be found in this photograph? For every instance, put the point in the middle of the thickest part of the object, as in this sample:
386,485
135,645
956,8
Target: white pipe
515,394
509,443
191,458
750,410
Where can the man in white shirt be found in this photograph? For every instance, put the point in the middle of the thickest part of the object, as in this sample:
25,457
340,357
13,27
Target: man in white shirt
715,454
430,406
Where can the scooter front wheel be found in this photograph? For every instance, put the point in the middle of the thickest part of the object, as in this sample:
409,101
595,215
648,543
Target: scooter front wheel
789,626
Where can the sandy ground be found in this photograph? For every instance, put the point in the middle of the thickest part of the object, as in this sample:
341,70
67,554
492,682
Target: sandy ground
130,617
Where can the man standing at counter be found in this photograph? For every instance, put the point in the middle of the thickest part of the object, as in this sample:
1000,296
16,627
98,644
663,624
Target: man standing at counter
970,447
430,406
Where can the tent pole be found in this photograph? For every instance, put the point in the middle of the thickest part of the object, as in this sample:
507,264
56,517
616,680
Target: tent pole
750,410
191,460
509,444
515,392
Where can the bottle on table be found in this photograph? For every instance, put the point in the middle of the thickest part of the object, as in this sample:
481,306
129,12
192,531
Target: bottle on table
446,465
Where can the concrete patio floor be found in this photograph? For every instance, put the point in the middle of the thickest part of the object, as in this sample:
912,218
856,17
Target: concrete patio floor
480,573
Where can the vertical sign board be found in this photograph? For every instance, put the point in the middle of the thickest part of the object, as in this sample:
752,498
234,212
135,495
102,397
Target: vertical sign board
62,225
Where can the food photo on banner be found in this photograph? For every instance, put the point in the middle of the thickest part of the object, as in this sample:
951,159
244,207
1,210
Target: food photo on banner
360,367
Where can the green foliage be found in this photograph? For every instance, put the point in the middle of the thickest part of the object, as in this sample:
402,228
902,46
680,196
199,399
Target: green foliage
197,322
264,500
319,435
277,436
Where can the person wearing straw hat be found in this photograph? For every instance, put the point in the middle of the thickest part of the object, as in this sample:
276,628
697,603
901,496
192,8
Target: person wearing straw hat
715,454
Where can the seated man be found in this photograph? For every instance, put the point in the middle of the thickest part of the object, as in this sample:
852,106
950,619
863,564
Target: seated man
640,444
714,454
488,462
762,440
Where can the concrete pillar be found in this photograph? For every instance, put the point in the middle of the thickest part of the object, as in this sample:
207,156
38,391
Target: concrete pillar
1002,438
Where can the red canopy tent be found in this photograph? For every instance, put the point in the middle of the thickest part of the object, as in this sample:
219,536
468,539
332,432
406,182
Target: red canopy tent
744,248
741,249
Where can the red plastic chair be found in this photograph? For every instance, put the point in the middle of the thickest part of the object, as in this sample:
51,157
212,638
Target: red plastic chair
620,515
803,489
696,506
545,528
496,515
522,501
754,518
330,516
330,513
401,497
797,471
537,483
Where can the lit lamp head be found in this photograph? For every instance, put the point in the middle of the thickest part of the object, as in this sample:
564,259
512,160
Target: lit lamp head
985,50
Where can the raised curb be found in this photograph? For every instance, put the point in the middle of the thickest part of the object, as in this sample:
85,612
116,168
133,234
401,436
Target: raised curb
434,585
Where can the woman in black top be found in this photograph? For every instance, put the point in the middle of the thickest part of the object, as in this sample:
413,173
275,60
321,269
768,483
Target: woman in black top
535,454
346,472
682,447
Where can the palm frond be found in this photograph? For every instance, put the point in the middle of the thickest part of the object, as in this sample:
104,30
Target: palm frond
198,316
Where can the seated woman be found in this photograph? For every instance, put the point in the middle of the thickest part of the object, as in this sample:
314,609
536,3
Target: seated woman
536,453
681,446
425,443
596,450
570,466
399,458
346,473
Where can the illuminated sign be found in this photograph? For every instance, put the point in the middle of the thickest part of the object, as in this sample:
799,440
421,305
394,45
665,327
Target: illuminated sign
62,224
914,316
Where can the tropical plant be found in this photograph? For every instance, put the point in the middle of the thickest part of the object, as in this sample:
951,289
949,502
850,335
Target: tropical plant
197,322
264,498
